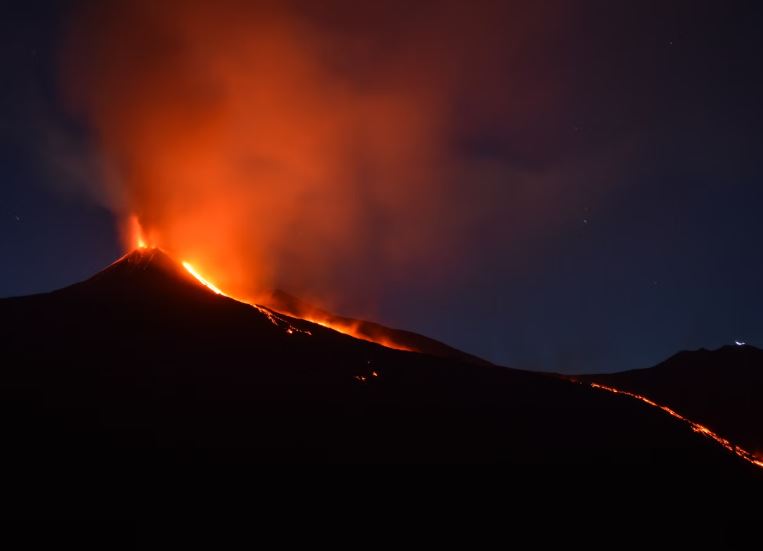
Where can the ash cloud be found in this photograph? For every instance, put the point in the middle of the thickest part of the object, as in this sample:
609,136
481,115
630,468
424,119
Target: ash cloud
324,148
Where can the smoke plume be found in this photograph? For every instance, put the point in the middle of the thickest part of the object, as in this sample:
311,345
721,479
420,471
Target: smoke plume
315,146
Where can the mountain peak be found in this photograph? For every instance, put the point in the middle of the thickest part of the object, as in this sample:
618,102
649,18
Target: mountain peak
151,274
144,259
727,352
147,268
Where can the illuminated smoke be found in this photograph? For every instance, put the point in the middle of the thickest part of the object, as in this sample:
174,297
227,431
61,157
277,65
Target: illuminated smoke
309,146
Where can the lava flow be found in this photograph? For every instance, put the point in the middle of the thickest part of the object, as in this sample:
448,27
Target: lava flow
274,318
137,238
696,427
352,329
197,275
347,329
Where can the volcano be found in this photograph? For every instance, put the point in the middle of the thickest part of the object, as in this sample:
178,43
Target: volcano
143,364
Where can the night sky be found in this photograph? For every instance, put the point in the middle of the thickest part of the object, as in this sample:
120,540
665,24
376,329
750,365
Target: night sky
612,179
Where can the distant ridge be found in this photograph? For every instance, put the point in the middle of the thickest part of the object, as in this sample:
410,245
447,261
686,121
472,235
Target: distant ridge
721,388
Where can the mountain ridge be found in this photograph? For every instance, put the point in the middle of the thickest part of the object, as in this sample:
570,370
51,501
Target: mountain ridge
721,388
134,366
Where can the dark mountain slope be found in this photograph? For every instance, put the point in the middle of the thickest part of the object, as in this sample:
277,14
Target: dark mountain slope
722,389
290,305
141,365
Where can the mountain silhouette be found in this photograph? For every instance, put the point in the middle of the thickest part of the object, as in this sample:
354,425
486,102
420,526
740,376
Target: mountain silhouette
142,365
718,388
285,303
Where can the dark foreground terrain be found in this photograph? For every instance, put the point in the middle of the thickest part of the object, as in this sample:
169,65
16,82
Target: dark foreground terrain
142,373
141,365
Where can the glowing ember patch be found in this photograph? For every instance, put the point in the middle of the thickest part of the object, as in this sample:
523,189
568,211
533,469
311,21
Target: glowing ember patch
352,329
696,427
276,320
203,281
279,321
136,237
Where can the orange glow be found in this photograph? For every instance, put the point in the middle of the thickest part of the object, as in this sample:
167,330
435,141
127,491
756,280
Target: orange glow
264,148
203,281
696,427
352,329
275,319
135,237
345,328
276,152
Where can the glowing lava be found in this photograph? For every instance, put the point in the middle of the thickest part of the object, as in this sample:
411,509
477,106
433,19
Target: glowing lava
696,427
352,329
135,236
345,328
203,281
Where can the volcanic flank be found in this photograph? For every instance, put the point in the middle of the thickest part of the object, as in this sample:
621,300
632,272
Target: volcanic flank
142,363
720,389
